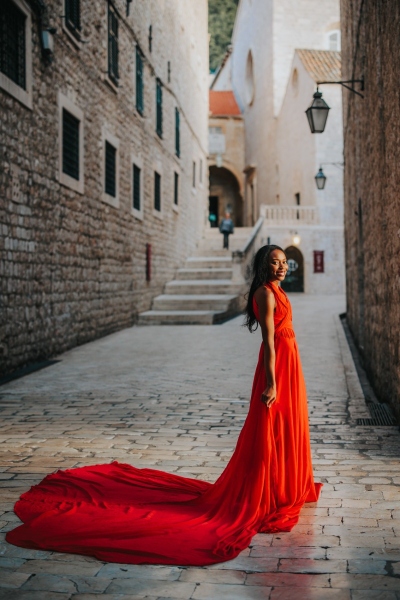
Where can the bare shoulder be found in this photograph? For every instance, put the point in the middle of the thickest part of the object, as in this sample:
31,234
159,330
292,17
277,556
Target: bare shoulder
264,295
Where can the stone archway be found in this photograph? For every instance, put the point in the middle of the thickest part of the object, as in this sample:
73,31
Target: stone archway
294,280
225,196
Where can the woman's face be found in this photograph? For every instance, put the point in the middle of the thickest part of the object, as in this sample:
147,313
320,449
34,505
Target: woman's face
278,265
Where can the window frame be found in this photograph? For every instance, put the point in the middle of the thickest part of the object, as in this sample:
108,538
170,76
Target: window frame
64,103
159,107
114,141
111,12
138,162
69,26
177,132
23,95
139,81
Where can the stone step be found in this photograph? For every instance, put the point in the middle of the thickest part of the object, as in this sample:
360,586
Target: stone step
209,262
216,302
210,286
211,273
180,317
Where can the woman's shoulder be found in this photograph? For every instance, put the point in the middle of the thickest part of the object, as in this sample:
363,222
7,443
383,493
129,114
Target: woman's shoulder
264,294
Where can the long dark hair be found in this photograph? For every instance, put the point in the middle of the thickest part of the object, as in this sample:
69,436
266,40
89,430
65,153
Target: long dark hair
260,275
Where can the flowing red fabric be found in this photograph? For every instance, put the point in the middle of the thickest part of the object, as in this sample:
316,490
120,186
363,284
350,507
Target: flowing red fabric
118,513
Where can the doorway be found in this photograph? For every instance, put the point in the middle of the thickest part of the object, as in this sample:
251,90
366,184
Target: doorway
213,202
294,280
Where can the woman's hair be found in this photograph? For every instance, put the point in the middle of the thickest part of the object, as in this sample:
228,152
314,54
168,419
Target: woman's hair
260,274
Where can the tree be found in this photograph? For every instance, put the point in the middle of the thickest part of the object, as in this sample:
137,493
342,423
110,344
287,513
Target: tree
221,17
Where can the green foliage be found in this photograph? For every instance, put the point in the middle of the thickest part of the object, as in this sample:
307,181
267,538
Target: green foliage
221,16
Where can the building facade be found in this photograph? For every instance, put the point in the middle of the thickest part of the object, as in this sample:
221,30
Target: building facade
372,189
226,158
103,174
306,221
265,36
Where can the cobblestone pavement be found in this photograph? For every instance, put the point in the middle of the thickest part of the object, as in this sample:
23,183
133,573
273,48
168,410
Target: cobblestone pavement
175,398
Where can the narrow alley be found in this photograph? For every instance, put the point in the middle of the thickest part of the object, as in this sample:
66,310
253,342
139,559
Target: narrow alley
175,398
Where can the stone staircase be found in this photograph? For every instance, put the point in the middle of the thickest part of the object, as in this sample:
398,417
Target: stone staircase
203,291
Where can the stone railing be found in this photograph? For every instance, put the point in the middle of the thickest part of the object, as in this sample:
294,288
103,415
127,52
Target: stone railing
242,258
278,214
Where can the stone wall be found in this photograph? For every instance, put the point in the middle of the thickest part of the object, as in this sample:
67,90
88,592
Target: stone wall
370,30
73,266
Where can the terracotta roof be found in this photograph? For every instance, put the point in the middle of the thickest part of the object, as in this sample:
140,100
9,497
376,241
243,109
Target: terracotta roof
223,103
322,65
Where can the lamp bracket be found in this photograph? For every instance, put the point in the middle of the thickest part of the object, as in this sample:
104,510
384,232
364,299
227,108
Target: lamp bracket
344,84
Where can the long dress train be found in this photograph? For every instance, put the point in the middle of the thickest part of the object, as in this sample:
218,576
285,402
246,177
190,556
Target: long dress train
118,513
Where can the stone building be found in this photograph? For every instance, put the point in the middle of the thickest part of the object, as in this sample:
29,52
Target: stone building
226,158
103,172
370,33
265,36
305,221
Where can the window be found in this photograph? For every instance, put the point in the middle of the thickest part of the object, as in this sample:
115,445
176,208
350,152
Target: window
177,133
137,205
73,16
70,144
201,171
194,175
297,197
334,40
12,32
176,188
150,38
139,81
318,261
159,107
157,191
110,170
112,45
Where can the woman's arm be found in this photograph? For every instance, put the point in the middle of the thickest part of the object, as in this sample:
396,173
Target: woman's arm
266,305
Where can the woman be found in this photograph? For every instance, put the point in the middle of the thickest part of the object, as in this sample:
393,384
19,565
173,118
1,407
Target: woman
122,514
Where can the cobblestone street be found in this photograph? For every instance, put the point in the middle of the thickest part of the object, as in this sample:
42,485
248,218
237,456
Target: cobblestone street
175,398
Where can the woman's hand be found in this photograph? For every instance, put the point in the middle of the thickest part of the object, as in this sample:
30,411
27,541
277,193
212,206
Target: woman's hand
269,395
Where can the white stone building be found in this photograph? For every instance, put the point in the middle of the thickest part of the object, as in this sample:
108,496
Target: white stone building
313,218
265,36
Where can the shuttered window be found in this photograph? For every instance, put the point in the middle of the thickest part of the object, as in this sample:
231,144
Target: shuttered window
136,187
73,16
157,191
139,81
177,133
12,43
112,45
176,188
110,170
70,144
159,123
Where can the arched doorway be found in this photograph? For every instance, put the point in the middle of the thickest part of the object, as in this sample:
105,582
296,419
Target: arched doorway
224,196
294,280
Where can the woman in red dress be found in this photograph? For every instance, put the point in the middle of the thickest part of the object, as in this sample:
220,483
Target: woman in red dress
119,513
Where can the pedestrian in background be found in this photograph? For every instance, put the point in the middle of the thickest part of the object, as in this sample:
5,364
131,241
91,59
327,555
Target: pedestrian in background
226,228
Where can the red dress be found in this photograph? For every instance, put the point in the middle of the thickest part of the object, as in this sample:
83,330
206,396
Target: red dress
122,514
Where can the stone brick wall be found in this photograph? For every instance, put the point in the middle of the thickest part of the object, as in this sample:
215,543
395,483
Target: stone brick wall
370,30
73,267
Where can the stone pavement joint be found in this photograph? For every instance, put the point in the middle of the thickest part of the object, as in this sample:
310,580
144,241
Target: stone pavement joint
175,398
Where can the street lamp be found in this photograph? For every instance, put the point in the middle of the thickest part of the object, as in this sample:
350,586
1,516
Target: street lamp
320,179
317,113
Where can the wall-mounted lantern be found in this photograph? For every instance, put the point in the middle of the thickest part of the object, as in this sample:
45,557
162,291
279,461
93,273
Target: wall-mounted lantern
317,113
296,239
320,179
47,36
